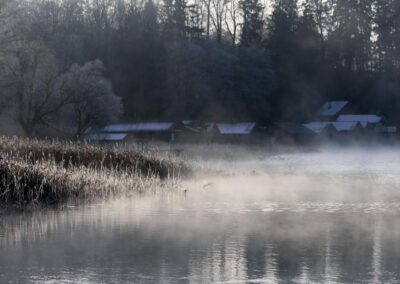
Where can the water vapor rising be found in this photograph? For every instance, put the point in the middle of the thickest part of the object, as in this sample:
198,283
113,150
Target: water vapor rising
293,216
330,174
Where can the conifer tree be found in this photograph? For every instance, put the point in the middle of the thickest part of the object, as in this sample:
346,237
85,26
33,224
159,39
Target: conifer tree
252,12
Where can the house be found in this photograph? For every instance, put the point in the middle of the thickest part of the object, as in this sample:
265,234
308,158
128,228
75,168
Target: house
316,126
106,137
330,110
319,127
239,129
336,119
347,126
235,132
351,126
162,131
363,119
139,127
330,131
189,131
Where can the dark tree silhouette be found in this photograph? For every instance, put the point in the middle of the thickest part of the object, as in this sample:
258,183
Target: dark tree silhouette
216,59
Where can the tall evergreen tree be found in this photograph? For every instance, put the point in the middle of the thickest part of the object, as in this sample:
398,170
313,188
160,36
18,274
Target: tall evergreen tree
151,59
281,29
386,55
150,24
174,19
384,45
252,28
311,79
281,44
308,42
319,10
387,30
180,18
350,40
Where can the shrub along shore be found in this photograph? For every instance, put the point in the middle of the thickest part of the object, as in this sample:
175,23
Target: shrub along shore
41,172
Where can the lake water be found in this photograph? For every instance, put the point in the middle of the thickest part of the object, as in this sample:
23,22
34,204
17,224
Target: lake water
326,217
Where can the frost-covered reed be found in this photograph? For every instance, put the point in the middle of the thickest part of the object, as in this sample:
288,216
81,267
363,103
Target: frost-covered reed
69,154
40,172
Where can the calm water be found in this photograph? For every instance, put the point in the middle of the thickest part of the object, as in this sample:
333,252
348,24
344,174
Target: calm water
331,217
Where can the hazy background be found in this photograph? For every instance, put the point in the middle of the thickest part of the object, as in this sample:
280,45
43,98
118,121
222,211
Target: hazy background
211,60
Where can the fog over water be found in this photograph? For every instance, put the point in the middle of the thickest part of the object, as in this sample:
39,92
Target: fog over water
328,216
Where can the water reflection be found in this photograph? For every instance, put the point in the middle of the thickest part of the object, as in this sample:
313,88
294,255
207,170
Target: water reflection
294,221
101,244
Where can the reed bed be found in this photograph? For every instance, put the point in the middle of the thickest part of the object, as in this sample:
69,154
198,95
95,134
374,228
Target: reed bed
24,184
34,172
75,155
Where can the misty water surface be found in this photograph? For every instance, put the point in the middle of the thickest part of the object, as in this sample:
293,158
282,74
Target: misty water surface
324,217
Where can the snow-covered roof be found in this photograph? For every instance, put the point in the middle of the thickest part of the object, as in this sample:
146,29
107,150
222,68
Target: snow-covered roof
236,128
106,136
187,122
332,108
139,127
345,125
319,126
364,119
316,126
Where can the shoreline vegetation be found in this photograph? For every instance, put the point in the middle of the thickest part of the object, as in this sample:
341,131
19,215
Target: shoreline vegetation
37,172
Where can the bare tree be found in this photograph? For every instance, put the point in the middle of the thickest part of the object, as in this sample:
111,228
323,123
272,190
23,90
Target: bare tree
37,94
217,17
207,3
31,85
231,19
12,25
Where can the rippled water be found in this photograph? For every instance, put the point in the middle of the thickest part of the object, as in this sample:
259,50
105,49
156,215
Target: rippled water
331,217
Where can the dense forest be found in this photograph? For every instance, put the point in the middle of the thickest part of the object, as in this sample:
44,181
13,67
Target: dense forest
71,64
